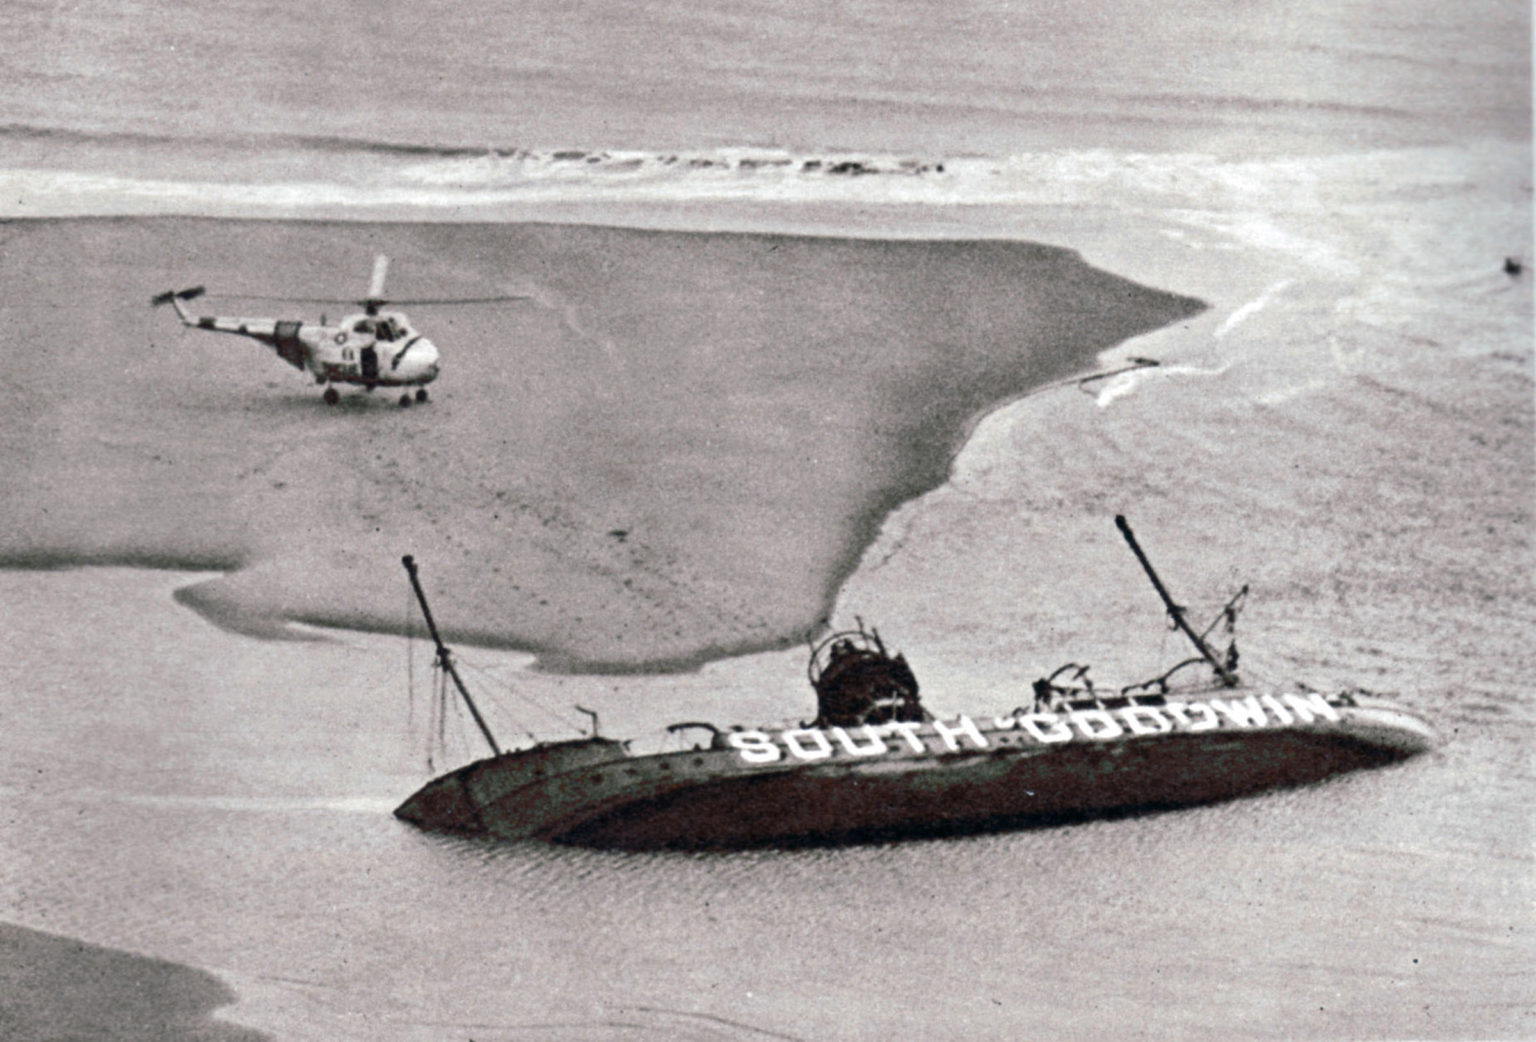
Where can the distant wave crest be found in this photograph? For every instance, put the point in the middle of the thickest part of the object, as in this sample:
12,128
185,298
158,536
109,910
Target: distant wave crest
68,172
57,172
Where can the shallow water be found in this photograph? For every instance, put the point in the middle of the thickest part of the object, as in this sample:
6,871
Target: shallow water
1350,442
1349,428
210,805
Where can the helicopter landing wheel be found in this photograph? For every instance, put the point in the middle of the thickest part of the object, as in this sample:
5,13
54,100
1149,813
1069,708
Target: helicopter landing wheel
331,396
405,400
421,394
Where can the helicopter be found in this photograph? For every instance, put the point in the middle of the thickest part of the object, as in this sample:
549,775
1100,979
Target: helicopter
369,349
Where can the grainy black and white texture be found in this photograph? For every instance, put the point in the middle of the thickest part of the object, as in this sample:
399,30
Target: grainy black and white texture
805,280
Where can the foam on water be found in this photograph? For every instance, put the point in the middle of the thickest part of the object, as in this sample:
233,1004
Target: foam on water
1244,199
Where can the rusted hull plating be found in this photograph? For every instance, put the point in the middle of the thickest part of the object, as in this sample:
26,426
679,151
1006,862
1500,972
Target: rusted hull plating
802,785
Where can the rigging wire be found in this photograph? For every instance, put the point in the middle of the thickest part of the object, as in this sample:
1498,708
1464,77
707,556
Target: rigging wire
437,725
549,710
439,719
461,738
410,660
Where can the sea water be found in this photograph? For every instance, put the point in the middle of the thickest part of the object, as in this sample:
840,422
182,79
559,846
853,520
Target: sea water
1348,428
271,107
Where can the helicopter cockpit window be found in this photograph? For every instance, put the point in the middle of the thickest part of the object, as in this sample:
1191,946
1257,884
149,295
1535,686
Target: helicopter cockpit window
363,325
387,329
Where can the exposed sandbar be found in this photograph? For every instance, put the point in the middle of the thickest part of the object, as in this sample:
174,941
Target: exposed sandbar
678,449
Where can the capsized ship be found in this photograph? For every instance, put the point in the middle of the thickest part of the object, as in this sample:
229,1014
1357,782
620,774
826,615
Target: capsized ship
875,763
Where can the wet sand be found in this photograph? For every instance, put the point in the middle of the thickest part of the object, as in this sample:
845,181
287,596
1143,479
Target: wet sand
677,450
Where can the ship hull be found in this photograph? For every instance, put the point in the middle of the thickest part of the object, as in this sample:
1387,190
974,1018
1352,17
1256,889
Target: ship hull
755,787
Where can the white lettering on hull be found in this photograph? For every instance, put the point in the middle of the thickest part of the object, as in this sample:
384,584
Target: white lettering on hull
755,747
908,730
810,744
1243,712
1273,705
1059,732
962,728
1309,706
1096,724
1180,711
1145,720
819,749
873,745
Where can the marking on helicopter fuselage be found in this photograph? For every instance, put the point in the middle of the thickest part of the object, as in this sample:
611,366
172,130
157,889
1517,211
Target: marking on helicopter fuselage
394,362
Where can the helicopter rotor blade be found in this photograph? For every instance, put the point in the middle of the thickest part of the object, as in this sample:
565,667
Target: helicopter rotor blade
376,285
197,291
284,300
424,301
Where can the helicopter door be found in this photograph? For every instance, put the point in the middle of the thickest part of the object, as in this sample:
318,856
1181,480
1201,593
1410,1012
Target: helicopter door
370,359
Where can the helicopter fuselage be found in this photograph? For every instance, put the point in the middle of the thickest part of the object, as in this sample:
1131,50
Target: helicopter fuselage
371,348
381,350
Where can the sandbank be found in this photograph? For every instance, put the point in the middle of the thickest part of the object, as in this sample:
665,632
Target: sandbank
676,450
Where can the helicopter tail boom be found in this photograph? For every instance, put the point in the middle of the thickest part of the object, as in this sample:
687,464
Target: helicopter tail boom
264,329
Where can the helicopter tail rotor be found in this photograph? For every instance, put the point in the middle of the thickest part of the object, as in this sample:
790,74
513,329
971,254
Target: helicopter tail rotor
176,294
174,297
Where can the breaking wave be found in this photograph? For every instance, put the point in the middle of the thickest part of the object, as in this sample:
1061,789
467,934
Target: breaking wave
65,172
57,172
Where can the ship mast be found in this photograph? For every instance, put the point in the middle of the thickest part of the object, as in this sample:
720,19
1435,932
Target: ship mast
444,659
1228,678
